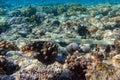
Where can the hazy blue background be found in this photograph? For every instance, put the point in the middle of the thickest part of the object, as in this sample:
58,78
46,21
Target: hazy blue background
51,2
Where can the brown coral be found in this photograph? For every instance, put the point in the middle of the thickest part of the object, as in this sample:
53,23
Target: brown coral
92,29
117,45
114,19
47,51
77,65
7,67
103,71
116,60
6,46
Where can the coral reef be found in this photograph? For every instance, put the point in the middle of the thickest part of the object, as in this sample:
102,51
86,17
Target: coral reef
103,70
60,9
76,7
50,72
29,74
2,11
116,60
77,66
47,51
7,67
60,42
15,13
6,46
117,45
29,11
15,20
55,10
3,24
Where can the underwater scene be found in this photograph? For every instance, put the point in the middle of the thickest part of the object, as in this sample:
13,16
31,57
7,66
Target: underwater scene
59,39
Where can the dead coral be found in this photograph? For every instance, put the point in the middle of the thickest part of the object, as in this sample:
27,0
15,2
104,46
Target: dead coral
30,74
103,68
116,60
103,71
50,72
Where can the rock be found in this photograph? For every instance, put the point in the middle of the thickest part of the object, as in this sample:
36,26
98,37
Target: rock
85,47
66,76
72,47
13,53
60,59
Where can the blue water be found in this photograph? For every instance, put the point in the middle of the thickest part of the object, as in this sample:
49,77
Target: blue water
55,2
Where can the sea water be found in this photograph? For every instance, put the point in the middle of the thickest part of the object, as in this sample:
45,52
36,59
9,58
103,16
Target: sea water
55,2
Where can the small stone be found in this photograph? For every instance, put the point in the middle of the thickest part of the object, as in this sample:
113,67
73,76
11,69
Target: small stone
72,47
85,47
